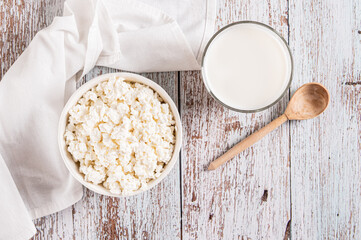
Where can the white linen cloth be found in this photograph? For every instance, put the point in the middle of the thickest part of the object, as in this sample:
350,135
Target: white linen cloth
15,221
132,35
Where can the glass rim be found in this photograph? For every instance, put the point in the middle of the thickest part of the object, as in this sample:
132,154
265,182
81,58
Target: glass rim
204,75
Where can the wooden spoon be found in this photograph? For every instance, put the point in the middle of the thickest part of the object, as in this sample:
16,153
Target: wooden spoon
309,101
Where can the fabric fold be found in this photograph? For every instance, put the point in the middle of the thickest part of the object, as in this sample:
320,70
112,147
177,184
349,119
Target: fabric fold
156,43
14,221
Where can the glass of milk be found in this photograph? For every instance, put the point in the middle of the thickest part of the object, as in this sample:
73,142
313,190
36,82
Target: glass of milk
247,66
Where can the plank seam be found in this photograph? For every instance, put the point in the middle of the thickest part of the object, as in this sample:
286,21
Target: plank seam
180,158
289,224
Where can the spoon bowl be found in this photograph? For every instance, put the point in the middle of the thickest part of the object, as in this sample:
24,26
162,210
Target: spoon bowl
309,101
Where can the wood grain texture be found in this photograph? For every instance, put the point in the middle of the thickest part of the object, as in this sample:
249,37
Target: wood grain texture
228,203
308,171
20,21
248,142
326,152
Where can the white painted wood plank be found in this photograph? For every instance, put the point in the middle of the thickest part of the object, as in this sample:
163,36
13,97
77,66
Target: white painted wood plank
227,203
326,152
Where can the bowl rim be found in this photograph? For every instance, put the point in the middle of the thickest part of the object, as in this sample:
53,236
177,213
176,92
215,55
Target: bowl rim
214,36
130,77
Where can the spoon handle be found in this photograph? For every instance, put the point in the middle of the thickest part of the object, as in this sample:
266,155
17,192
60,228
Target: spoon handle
249,141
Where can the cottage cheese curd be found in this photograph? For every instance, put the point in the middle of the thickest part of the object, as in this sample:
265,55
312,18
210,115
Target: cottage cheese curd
122,134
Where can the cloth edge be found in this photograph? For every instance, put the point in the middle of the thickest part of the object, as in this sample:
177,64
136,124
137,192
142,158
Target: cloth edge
23,234
55,207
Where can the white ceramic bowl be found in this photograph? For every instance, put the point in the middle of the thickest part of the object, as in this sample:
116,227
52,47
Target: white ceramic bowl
68,160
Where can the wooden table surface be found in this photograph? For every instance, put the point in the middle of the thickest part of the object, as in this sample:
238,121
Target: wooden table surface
302,181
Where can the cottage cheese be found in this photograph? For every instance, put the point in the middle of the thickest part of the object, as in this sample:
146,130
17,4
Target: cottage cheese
121,134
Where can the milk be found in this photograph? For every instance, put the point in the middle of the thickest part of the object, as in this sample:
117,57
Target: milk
247,66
